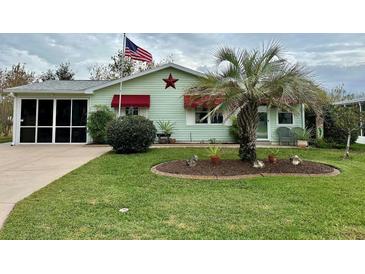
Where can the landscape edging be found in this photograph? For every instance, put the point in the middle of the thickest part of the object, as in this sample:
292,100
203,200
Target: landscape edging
154,170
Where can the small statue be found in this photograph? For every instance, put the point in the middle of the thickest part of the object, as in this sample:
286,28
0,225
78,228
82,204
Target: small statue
192,161
258,164
295,160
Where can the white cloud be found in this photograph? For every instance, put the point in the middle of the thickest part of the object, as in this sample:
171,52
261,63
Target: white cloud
334,58
11,56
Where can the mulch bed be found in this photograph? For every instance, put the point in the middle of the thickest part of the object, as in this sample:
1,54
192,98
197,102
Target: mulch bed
237,167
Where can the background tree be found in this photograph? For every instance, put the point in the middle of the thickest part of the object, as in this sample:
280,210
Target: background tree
349,119
121,69
247,79
333,135
64,72
100,72
48,75
16,76
114,69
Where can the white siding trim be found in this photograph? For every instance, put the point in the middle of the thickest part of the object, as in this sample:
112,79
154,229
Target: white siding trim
15,119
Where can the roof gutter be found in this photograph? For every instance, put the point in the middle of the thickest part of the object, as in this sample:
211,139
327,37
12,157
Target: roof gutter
14,91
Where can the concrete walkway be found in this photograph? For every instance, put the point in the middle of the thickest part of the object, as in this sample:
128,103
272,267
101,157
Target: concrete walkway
25,169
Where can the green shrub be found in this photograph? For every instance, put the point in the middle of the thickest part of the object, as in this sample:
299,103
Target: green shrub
233,129
97,123
334,134
302,133
322,143
130,134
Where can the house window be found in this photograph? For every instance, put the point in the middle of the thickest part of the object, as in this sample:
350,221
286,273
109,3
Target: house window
216,118
200,113
131,111
285,118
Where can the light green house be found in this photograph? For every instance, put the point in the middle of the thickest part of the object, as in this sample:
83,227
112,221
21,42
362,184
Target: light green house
56,111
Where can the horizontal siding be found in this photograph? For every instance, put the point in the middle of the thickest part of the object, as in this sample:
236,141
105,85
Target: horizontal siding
297,121
166,104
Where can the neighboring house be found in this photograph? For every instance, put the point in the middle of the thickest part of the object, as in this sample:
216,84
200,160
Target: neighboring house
360,102
56,111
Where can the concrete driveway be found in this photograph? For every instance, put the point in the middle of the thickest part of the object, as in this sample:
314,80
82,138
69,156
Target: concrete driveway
25,169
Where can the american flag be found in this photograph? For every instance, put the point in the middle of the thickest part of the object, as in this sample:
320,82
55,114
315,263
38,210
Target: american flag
136,53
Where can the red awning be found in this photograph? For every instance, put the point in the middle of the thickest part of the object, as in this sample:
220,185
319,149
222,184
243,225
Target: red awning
132,101
206,101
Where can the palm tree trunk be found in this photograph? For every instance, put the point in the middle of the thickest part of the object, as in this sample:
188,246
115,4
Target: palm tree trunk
247,121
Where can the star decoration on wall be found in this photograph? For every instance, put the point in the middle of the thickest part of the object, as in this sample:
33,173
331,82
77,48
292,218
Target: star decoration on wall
170,81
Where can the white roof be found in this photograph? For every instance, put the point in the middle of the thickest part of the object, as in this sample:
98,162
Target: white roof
352,101
89,86
57,86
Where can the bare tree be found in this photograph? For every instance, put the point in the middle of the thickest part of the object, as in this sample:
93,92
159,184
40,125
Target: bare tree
349,118
114,69
16,76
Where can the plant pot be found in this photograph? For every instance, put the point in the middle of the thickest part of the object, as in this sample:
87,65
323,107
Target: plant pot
172,141
163,140
272,159
216,160
302,143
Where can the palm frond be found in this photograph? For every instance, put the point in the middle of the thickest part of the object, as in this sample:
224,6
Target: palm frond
259,76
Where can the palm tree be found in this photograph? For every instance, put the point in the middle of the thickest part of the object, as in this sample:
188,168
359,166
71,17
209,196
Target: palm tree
253,78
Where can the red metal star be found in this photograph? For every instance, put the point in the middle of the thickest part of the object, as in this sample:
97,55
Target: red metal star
170,82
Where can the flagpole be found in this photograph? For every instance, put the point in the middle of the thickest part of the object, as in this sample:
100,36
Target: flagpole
121,82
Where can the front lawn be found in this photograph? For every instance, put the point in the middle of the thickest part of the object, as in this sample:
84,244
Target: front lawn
85,203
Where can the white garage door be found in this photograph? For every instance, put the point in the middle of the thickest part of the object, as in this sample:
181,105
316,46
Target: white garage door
53,121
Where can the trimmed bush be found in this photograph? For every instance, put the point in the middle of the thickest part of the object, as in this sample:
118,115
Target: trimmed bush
131,134
97,123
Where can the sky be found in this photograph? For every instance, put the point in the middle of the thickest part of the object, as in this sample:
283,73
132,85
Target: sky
333,59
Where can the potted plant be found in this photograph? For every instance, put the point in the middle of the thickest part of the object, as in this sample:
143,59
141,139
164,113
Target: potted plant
272,157
214,154
167,128
302,137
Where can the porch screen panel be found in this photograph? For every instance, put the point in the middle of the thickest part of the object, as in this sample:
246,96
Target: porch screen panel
45,121
63,114
28,112
28,120
27,135
79,116
79,112
63,135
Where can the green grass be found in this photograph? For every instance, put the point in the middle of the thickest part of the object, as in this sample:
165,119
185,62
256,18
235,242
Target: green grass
84,204
5,139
